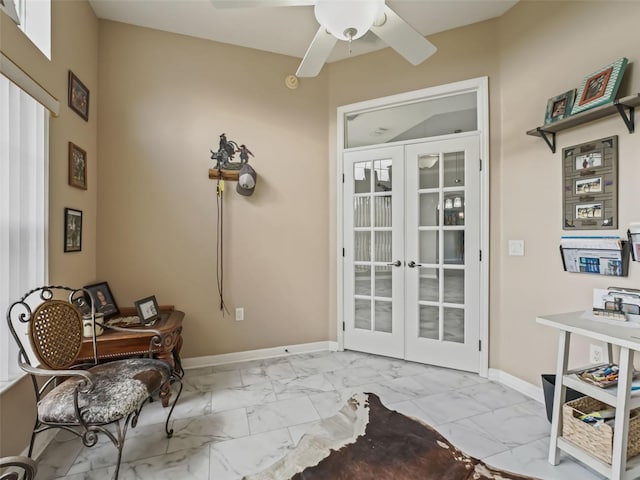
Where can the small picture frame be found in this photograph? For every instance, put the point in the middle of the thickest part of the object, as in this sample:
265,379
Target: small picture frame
78,96
600,87
586,186
559,107
103,299
148,309
77,166
72,230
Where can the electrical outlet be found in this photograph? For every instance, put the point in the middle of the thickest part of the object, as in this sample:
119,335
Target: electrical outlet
239,314
595,354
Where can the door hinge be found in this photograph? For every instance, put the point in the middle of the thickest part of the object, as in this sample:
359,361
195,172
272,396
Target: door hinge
343,252
343,326
479,345
480,255
343,178
480,164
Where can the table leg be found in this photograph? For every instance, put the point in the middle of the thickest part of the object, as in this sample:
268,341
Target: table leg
559,395
165,391
621,428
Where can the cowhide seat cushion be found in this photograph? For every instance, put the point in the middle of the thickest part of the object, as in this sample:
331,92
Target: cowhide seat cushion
119,389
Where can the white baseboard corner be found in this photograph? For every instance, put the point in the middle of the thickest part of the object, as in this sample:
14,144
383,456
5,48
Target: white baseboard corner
260,354
517,384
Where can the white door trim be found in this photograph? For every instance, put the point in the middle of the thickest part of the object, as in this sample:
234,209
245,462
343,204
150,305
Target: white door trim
479,85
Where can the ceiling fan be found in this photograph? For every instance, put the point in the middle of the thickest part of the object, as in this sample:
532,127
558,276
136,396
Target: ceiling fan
348,20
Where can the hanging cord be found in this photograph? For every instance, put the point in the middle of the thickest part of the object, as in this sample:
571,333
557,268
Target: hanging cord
219,242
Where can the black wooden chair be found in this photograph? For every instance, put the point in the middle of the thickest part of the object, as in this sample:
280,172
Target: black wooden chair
14,468
85,399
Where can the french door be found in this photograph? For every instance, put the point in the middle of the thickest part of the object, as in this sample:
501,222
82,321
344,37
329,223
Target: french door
412,243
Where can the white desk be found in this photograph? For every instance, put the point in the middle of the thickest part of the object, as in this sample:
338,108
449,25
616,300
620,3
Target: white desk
628,339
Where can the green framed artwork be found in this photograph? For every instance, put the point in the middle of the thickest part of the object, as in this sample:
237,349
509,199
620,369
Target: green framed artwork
559,107
600,87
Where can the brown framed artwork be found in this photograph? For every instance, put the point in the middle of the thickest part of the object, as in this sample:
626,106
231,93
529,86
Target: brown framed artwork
78,96
590,180
600,87
77,166
72,230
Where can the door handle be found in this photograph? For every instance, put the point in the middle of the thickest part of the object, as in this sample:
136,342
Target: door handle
413,264
397,263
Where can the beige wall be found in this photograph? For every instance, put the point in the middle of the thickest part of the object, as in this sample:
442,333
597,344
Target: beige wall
74,46
545,51
165,99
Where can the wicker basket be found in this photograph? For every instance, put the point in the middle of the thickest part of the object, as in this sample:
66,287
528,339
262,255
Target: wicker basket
598,441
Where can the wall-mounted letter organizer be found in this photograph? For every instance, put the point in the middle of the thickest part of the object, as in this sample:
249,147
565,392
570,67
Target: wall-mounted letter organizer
599,255
634,239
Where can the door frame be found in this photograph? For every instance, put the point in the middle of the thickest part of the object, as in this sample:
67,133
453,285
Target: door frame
478,85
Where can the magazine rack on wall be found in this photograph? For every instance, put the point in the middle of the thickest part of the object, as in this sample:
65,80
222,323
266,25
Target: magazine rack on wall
595,255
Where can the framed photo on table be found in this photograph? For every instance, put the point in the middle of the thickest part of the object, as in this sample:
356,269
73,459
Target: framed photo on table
148,309
600,87
72,230
103,299
77,167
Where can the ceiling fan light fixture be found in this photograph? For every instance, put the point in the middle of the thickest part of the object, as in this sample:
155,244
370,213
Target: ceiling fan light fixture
348,19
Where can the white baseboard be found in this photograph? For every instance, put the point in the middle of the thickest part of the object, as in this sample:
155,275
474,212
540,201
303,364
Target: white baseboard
260,354
517,384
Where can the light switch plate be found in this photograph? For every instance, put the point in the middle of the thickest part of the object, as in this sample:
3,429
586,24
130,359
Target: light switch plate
516,248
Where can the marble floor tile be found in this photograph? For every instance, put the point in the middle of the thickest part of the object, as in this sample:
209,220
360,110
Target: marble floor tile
234,459
532,459
279,414
237,419
242,396
216,427
514,425
449,407
302,386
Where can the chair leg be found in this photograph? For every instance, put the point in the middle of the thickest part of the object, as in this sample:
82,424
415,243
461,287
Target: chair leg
166,425
33,439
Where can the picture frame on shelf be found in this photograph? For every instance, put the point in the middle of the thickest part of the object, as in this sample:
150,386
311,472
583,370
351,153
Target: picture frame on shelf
590,185
72,230
78,96
560,106
148,310
103,300
77,166
600,87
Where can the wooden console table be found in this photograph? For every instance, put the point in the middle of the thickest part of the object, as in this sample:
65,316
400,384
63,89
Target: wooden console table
115,344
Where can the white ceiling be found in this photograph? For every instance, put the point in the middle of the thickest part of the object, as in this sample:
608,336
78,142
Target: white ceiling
287,30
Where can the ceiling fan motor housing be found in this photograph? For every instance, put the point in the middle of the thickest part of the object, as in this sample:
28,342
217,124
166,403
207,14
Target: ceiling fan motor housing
348,19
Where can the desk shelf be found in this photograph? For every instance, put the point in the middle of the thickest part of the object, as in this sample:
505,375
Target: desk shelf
625,107
605,395
633,464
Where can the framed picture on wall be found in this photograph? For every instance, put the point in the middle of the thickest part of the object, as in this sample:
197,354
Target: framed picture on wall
600,87
72,230
78,96
590,185
77,167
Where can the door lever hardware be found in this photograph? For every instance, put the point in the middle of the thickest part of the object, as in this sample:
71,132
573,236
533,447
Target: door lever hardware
413,264
397,263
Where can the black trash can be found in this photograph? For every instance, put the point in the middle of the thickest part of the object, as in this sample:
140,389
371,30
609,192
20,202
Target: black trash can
548,388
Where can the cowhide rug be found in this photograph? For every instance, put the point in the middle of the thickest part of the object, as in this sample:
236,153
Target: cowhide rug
366,441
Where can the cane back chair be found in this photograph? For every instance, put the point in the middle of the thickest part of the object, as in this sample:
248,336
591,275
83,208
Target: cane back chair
11,468
85,399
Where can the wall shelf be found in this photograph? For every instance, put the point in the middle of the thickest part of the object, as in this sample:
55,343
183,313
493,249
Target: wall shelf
625,107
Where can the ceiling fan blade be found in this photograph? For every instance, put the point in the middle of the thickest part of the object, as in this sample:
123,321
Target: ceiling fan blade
401,36
260,3
317,54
